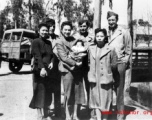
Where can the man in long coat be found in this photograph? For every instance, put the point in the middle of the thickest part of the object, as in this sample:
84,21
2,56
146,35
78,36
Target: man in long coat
121,40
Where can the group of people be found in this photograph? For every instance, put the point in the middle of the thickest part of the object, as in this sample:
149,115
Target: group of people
93,64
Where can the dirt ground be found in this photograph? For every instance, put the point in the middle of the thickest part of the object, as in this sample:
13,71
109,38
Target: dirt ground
16,92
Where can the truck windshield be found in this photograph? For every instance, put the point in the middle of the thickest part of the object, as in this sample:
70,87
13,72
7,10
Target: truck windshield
16,36
7,36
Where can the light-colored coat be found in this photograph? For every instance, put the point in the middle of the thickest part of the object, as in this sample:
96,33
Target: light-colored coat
108,60
63,49
121,41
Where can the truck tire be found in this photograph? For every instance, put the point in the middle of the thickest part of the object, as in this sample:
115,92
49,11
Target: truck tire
15,66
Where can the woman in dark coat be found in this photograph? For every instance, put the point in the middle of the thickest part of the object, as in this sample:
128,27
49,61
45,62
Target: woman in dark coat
103,60
43,62
72,80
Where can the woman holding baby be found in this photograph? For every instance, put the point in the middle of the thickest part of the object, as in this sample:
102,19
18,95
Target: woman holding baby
72,78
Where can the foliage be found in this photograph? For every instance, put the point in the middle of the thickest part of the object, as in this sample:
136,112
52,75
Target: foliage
35,10
4,21
134,22
110,3
74,11
86,13
141,22
17,11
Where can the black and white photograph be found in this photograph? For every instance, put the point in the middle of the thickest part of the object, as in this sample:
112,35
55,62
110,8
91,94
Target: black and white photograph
75,60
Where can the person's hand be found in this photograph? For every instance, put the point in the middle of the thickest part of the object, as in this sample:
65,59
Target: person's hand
78,64
124,59
43,72
32,67
72,68
50,66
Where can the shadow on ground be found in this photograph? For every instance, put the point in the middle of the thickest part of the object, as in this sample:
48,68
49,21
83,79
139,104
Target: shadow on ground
23,72
5,74
18,73
127,111
84,114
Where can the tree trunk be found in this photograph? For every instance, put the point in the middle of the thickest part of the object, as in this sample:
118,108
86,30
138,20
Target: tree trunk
129,71
15,22
30,15
97,14
58,19
129,16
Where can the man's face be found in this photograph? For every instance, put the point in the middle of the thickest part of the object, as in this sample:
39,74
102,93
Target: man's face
66,31
52,29
112,21
83,28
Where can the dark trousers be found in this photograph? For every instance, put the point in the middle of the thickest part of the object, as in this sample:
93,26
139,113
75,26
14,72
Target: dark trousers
57,97
87,85
120,89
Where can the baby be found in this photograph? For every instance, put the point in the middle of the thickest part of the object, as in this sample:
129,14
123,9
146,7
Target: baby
78,52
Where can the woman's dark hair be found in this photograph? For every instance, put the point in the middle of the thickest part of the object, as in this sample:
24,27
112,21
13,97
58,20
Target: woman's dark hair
42,24
36,33
66,23
84,21
104,31
49,21
79,40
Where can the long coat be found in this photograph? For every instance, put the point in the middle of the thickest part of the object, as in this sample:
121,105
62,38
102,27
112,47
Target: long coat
108,62
64,48
100,76
42,52
43,55
122,42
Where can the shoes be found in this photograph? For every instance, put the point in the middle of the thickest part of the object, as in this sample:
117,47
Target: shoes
76,118
47,118
69,118
40,118
92,119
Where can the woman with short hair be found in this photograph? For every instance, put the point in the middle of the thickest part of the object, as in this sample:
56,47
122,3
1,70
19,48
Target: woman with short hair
103,61
72,79
43,62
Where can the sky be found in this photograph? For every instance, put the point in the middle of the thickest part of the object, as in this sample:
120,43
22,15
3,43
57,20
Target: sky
141,9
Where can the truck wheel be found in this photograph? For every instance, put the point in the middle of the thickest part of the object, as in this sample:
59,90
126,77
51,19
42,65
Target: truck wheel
15,66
